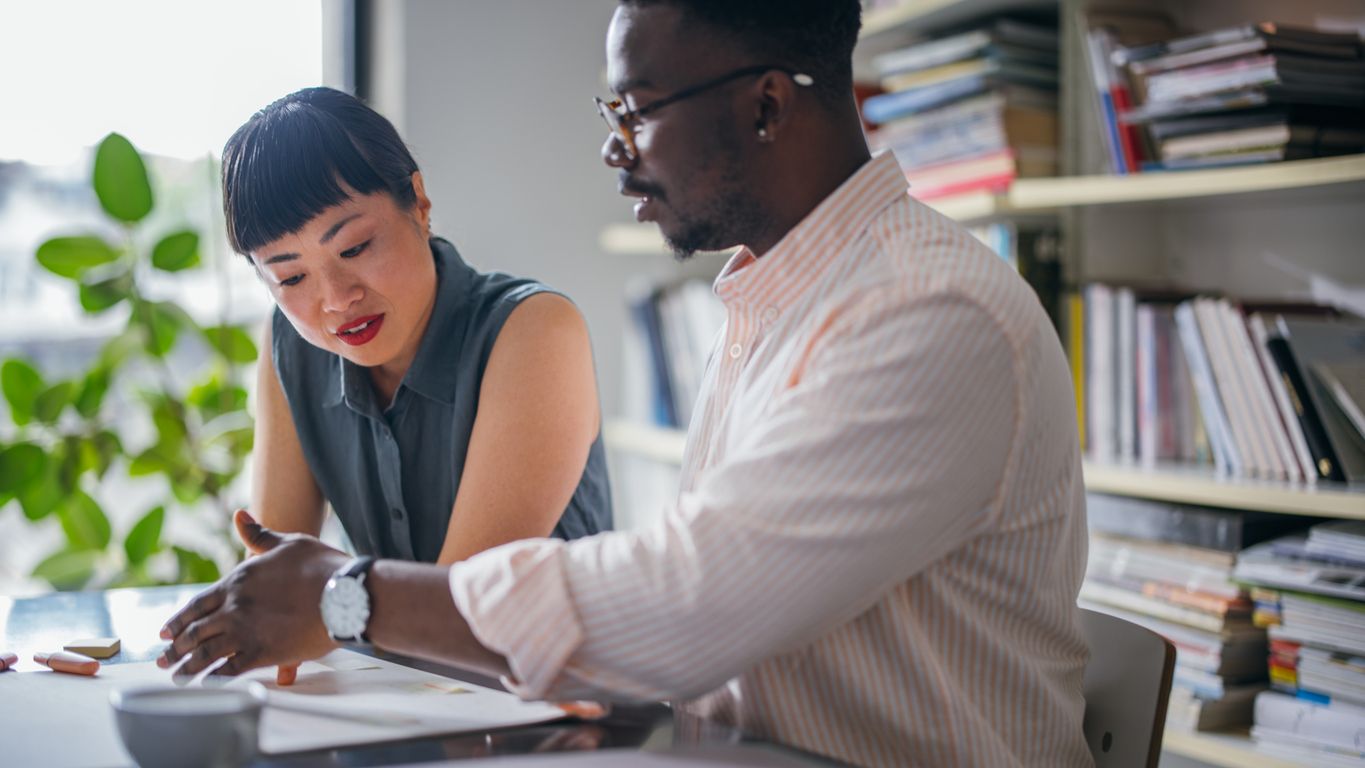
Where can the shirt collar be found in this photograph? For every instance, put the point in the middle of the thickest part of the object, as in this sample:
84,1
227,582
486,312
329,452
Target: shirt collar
435,368
783,275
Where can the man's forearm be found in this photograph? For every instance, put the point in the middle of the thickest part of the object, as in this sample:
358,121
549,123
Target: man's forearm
412,613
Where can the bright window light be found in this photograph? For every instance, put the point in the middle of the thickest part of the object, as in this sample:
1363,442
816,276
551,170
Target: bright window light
175,77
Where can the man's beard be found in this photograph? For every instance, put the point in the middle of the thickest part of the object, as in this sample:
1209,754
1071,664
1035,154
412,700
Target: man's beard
732,217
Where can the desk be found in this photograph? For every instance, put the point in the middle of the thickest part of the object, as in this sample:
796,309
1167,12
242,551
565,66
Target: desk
136,615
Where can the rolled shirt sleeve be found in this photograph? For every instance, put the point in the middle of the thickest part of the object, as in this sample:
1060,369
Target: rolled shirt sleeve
865,468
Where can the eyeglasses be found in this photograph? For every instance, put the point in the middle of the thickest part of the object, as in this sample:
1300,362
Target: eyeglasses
622,121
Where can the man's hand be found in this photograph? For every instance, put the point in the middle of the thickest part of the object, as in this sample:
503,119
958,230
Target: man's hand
264,612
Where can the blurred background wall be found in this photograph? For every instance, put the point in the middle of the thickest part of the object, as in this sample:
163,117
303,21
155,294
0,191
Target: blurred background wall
495,99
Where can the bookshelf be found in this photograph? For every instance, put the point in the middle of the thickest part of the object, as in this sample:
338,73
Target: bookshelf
1048,196
1191,485
1184,485
659,444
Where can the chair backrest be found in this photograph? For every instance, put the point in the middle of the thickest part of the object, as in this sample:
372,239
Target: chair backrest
1127,684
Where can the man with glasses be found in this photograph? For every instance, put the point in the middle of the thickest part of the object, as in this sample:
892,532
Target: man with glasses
880,533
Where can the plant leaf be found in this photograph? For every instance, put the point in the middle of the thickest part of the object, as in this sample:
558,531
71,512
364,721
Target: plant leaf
71,256
107,446
118,349
195,568
162,326
92,392
48,406
20,465
154,460
68,569
85,524
169,417
98,296
145,537
120,180
177,251
232,342
45,492
212,398
21,385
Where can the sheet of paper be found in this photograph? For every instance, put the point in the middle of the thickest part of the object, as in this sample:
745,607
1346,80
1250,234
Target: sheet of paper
732,755
343,699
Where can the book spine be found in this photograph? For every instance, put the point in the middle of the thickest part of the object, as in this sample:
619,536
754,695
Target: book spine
1225,454
646,312
1125,315
1149,412
1097,48
1270,434
1289,420
1075,306
1100,362
1324,458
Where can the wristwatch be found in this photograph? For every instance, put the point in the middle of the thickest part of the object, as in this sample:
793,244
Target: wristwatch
346,603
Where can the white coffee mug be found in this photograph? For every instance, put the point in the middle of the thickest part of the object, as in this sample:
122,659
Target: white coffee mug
169,727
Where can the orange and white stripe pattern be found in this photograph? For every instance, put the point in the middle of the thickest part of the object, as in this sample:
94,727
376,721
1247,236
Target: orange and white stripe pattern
880,532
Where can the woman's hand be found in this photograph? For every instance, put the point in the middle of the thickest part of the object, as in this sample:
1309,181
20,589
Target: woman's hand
265,612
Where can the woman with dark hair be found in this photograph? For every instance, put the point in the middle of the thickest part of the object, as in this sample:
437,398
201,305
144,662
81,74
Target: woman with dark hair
439,410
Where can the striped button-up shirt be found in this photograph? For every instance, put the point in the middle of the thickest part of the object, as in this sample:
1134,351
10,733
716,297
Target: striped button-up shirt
880,533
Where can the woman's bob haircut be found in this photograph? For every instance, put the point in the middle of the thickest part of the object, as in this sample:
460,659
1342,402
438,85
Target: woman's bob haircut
303,154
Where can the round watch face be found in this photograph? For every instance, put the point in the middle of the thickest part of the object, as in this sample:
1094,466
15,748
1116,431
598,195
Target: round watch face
345,608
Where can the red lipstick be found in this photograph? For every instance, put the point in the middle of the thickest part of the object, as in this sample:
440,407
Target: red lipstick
361,330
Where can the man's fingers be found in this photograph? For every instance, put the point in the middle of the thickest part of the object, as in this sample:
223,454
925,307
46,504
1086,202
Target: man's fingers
205,654
199,606
237,664
286,674
195,635
255,536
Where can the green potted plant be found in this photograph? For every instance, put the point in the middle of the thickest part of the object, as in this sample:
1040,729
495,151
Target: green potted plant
66,437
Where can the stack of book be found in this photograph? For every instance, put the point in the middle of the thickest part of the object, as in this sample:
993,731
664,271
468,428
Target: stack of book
1252,93
970,111
1169,567
1268,390
1310,593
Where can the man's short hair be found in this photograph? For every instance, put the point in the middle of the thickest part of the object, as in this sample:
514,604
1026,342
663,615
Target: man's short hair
811,36
303,154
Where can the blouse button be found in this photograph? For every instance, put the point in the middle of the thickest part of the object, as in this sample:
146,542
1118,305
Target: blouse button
736,350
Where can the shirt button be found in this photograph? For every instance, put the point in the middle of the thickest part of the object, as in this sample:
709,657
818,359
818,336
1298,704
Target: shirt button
770,315
736,350
397,514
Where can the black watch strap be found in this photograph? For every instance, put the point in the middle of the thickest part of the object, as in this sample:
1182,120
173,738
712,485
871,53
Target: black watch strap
357,566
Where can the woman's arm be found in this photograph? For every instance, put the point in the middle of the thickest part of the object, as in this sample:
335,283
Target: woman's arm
284,495
537,419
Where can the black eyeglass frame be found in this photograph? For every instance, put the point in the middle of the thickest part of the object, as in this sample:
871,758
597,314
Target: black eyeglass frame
621,122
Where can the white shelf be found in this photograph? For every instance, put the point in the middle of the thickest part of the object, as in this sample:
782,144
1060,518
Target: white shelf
920,16
1185,485
658,443
1038,196
631,239
1034,194
1228,750
1192,485
1050,194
